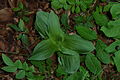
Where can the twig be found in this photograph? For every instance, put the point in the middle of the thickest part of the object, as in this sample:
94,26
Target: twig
10,3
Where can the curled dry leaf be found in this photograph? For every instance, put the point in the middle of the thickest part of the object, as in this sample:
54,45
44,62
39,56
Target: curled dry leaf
6,15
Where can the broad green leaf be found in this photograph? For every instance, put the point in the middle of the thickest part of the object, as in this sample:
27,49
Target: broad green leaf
69,63
9,68
100,19
41,23
25,66
113,29
7,60
100,52
20,74
55,32
115,11
67,51
75,42
117,60
18,64
93,64
86,33
43,50
113,47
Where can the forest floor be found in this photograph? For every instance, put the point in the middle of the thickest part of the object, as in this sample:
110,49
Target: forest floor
15,49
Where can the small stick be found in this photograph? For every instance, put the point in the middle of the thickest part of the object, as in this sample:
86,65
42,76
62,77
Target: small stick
10,3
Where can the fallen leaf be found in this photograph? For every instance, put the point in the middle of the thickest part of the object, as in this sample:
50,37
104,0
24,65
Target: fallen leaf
6,15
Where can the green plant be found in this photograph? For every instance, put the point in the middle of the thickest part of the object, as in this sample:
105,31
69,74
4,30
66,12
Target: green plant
102,55
21,11
86,33
44,67
17,66
73,5
84,20
23,31
68,47
100,17
109,27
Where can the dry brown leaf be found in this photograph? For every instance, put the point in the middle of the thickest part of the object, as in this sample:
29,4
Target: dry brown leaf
6,15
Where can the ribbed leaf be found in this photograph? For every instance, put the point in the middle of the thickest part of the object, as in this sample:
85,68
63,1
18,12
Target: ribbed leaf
86,33
101,54
100,19
93,64
41,23
55,32
69,63
43,50
76,43
67,51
